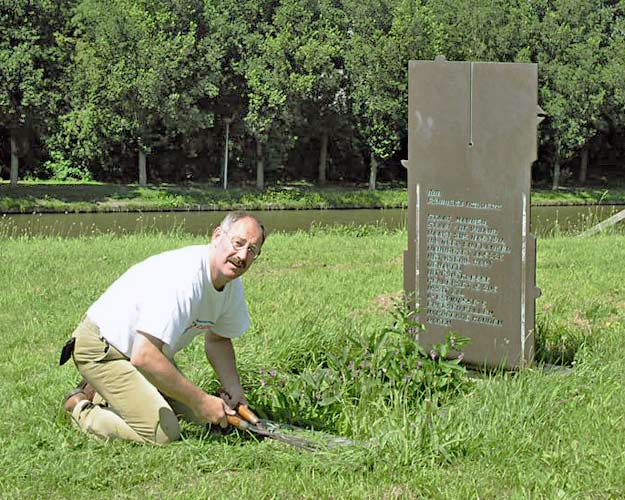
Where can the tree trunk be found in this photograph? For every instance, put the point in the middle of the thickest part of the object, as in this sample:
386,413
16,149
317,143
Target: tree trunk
15,161
226,154
260,167
583,168
373,172
323,156
143,174
556,174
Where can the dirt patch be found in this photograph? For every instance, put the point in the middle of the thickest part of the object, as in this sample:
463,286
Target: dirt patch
401,491
581,321
387,301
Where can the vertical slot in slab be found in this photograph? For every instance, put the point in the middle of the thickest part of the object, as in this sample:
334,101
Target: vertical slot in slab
471,105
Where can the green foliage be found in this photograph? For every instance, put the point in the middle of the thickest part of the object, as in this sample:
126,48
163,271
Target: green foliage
384,36
63,170
92,82
571,53
140,73
484,30
373,367
30,57
576,49
295,76
33,58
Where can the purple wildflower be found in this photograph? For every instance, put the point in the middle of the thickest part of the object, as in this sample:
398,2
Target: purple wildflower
273,373
434,354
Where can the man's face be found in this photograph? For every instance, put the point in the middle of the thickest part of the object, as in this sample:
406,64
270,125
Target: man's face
234,250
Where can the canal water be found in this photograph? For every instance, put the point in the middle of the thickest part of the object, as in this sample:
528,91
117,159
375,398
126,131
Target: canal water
545,221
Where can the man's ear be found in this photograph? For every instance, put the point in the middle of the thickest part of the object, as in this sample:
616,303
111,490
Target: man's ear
217,232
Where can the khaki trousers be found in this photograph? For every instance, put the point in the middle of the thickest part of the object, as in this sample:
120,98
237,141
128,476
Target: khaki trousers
126,404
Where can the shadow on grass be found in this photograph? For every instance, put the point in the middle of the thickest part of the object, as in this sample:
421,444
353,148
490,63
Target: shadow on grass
556,343
70,193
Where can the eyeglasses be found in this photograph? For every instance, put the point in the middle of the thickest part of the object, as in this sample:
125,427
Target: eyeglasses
239,243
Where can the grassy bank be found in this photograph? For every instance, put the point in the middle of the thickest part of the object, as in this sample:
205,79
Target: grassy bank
39,197
94,197
535,434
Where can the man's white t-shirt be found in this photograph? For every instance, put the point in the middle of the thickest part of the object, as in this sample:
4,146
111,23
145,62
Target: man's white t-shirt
171,297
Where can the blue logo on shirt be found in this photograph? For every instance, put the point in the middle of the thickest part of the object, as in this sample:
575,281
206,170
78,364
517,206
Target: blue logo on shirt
198,324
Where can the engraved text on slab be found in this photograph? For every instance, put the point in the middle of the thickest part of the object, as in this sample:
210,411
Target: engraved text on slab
460,251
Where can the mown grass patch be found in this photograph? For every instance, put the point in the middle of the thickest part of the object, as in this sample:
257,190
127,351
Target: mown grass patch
533,434
569,317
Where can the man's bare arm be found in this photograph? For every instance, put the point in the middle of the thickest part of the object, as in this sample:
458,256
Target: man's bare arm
148,358
220,354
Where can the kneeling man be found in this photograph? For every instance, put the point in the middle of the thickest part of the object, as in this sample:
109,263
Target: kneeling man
125,346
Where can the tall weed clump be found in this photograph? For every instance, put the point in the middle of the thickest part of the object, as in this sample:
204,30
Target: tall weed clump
374,372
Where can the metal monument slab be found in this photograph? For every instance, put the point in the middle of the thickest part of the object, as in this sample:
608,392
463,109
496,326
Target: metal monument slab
471,260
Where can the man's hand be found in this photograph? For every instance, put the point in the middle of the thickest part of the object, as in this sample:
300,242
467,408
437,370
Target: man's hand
214,410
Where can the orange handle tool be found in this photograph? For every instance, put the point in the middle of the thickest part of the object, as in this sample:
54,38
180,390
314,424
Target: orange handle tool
248,414
238,422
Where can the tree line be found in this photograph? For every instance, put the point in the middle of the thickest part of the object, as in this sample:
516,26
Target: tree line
146,90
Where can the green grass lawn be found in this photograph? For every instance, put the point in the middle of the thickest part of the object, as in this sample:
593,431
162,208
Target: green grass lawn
42,196
534,434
